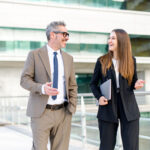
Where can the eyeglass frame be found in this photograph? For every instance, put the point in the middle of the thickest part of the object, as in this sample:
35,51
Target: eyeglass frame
65,34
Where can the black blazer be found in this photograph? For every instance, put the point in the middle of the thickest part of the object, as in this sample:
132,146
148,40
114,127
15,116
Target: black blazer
109,112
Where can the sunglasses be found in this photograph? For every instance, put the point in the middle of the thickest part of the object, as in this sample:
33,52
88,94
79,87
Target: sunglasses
65,34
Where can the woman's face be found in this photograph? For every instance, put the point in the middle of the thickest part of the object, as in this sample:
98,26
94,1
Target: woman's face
112,42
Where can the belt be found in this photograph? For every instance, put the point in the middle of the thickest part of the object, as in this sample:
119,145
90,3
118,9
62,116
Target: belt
54,107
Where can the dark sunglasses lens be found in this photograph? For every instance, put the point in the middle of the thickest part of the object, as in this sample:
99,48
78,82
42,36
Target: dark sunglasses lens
65,34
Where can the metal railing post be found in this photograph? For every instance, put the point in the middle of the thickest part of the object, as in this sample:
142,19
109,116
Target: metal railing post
119,140
3,110
83,122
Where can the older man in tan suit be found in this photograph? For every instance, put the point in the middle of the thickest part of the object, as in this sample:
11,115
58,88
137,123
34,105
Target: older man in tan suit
49,76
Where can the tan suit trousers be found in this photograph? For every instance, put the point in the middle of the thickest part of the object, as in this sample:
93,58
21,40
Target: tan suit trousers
53,125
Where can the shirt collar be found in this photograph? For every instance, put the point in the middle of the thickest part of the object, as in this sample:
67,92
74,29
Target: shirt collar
50,50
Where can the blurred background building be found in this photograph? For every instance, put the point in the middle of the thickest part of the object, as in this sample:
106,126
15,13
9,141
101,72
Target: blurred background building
23,23
89,22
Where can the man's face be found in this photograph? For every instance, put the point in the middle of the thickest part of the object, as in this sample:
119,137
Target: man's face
60,37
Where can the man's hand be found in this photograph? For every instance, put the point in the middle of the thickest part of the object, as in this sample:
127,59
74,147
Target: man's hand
49,90
139,84
103,101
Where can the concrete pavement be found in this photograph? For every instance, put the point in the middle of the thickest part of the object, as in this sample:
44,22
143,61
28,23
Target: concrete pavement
12,139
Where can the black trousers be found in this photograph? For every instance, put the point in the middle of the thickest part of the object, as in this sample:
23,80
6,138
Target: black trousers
129,131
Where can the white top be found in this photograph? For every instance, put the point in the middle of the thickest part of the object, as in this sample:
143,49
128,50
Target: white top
61,77
116,67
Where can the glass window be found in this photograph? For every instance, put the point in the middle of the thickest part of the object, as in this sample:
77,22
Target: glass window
140,5
83,81
121,4
85,43
2,46
34,45
140,45
89,48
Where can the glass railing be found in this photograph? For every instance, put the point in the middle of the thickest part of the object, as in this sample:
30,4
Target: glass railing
84,122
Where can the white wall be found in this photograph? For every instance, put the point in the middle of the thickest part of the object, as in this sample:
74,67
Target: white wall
10,82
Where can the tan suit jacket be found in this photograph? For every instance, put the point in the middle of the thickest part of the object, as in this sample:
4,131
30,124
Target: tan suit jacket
37,72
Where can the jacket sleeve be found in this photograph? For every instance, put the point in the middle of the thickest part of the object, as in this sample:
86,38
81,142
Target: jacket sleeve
135,78
94,84
27,76
72,90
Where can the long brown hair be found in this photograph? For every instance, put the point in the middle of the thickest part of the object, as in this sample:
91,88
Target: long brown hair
124,54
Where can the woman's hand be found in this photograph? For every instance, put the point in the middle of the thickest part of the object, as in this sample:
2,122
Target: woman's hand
139,84
103,101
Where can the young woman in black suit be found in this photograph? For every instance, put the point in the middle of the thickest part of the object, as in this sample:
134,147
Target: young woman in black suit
120,66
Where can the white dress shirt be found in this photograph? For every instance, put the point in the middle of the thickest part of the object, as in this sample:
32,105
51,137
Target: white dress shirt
116,67
61,77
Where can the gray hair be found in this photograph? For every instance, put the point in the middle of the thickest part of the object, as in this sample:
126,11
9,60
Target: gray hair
53,26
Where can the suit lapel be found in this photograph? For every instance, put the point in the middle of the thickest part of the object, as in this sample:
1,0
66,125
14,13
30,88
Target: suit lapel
45,59
113,74
65,61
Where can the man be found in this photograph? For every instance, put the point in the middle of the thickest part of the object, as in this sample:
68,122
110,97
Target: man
49,76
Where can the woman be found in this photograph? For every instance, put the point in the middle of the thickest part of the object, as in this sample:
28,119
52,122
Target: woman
120,66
